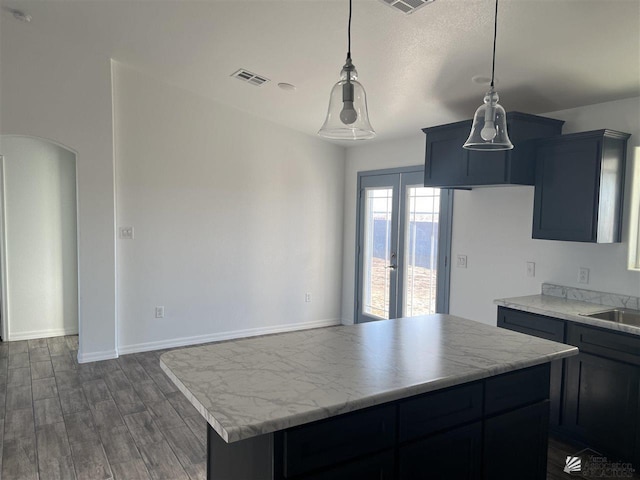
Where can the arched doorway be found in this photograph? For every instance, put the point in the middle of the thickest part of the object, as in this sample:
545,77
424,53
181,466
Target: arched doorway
38,234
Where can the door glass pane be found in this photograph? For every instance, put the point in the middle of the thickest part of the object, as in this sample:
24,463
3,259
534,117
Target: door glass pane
377,251
421,250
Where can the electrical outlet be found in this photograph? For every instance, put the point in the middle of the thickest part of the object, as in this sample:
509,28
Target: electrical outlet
307,297
126,233
159,312
462,261
531,269
583,275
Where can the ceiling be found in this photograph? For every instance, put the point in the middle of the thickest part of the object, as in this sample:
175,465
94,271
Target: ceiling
417,69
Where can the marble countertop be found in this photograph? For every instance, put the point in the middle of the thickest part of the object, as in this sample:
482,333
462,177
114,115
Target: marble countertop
565,309
248,387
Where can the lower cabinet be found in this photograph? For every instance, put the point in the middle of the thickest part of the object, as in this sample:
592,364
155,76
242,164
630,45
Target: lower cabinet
377,467
452,455
315,446
509,438
466,432
543,327
601,404
602,385
597,395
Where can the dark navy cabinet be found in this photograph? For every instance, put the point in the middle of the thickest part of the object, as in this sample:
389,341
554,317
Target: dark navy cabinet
376,467
446,160
595,399
579,187
452,455
315,446
602,391
508,438
549,329
460,433
449,165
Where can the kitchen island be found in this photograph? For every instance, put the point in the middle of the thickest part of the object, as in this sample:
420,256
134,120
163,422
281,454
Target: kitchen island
436,395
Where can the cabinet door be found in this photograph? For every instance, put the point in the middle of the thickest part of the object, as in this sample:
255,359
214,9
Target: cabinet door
549,329
531,324
567,182
451,455
375,467
427,414
448,164
515,444
487,168
445,158
601,403
315,445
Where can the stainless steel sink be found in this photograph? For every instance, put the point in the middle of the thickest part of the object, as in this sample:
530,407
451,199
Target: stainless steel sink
619,315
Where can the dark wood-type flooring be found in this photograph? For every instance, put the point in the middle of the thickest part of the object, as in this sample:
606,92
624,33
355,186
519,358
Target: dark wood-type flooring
114,419
120,419
558,452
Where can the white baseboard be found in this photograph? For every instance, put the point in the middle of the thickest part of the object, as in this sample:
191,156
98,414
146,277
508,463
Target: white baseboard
216,337
97,356
54,332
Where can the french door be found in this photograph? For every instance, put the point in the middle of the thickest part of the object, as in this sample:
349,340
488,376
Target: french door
403,245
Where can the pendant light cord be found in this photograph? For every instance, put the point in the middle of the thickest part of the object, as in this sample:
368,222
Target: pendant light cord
349,33
495,35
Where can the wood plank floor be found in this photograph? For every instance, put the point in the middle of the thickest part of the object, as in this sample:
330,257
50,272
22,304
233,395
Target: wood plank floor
114,419
558,452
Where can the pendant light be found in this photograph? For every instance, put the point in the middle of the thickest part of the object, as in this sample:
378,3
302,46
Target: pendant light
489,129
347,117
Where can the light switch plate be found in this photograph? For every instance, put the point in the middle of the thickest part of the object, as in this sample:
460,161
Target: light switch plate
531,269
462,261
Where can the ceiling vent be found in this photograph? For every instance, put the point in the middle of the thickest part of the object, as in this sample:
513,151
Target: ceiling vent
252,78
407,6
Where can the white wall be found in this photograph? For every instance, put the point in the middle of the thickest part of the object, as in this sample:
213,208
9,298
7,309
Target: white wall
492,226
235,219
40,238
59,91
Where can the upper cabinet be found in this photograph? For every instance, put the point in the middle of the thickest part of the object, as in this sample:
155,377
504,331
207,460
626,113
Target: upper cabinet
579,187
448,165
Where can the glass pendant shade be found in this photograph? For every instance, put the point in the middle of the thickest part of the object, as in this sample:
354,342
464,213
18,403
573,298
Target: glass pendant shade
489,129
347,117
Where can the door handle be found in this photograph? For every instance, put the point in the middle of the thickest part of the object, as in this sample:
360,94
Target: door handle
393,258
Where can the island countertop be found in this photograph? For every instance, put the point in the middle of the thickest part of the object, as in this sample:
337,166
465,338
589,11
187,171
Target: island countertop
253,386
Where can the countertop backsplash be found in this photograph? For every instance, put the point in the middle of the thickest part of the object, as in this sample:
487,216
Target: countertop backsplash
591,296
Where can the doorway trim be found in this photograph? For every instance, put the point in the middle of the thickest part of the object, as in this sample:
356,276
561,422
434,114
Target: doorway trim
3,255
444,238
3,250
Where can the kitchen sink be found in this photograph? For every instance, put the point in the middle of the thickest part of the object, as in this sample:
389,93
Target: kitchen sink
619,315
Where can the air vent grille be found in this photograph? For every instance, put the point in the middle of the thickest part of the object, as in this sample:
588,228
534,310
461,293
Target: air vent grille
252,78
407,6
